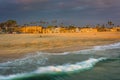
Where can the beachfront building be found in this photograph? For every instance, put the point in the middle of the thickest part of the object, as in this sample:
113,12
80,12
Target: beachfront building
57,30
60,30
47,30
51,30
77,30
65,30
54,30
88,30
31,29
115,29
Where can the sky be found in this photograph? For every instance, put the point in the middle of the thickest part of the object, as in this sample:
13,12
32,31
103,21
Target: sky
78,12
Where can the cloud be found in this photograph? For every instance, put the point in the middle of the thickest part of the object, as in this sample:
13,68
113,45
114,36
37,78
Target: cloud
24,1
62,4
99,3
28,1
60,8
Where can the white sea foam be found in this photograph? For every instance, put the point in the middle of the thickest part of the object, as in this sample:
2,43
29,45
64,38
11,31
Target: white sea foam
70,67
67,68
106,47
38,58
91,50
64,53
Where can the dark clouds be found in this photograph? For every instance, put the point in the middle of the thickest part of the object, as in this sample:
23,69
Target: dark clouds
85,11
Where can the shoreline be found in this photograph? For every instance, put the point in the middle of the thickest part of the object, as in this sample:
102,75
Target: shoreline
20,45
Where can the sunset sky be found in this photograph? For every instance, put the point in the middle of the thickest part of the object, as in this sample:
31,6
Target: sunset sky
79,12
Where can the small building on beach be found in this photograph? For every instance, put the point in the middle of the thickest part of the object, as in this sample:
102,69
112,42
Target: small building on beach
31,29
88,30
115,29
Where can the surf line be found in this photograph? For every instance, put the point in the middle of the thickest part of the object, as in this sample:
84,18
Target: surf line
92,49
60,69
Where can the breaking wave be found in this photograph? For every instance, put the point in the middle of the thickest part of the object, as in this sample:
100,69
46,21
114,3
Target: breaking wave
23,65
106,47
95,48
55,70
34,67
38,58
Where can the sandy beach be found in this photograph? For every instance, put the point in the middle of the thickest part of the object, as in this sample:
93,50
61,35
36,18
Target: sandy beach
14,46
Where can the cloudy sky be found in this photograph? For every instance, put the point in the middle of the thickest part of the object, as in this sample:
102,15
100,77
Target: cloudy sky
79,12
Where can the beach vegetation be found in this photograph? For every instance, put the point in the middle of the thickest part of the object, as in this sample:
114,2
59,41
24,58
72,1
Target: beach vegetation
11,26
8,26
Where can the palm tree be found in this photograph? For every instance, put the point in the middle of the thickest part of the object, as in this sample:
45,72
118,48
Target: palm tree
110,23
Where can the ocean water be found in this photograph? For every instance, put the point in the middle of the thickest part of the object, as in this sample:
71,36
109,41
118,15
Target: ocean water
97,63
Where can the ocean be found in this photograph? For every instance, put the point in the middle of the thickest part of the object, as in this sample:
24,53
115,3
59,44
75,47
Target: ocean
96,63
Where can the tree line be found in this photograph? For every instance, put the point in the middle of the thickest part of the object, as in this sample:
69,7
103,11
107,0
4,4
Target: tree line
10,26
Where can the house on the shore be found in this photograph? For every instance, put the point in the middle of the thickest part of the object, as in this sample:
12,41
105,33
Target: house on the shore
54,30
65,30
115,29
77,30
57,30
47,30
60,30
88,30
31,29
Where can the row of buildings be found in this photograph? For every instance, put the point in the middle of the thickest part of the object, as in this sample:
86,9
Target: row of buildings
40,29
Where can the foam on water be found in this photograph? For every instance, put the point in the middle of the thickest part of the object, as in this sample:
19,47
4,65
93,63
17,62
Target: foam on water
106,47
23,65
38,58
41,58
60,69
70,67
89,51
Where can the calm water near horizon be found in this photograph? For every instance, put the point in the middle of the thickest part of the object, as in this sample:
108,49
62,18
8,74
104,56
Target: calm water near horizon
97,63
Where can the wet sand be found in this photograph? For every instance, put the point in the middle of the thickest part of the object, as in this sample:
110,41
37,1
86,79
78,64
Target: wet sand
14,46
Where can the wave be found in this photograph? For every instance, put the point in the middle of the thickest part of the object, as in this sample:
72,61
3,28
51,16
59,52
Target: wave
23,65
91,50
55,70
38,58
106,47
